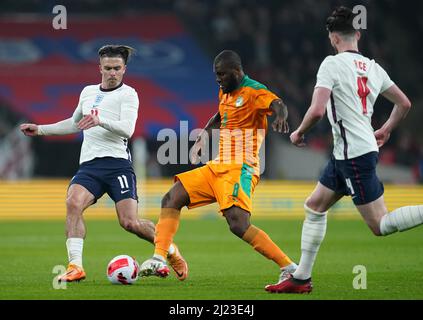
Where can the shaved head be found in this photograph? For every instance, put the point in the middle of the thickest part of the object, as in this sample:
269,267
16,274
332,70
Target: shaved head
229,59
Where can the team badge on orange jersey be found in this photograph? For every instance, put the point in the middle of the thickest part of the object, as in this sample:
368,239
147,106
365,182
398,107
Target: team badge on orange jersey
239,101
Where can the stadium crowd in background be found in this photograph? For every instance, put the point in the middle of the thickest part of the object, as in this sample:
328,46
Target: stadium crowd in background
281,50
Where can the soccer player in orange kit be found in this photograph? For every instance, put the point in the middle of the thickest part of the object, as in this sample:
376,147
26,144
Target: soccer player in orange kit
231,178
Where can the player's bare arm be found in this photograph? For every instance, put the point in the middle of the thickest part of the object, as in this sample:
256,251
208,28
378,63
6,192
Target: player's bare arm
213,123
313,115
399,112
280,124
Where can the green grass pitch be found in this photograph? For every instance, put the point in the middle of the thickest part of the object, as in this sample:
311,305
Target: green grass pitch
221,265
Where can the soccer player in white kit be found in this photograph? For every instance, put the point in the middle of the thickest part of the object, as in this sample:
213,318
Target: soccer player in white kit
348,84
107,114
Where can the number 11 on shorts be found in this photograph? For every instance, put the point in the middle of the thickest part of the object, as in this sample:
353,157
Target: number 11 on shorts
123,182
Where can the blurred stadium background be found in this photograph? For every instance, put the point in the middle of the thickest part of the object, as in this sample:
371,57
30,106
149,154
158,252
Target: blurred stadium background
281,43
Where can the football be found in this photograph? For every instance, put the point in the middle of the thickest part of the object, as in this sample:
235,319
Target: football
122,269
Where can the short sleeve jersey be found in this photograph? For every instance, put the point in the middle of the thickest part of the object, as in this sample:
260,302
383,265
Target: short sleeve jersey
355,82
243,127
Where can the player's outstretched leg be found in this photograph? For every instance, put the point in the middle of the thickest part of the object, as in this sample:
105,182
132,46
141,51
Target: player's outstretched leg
239,224
155,266
78,199
177,262
166,228
313,233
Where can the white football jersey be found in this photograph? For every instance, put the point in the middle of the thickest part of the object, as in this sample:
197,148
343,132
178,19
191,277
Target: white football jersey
356,82
117,110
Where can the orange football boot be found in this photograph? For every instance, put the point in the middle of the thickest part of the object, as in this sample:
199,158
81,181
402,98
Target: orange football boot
178,264
73,273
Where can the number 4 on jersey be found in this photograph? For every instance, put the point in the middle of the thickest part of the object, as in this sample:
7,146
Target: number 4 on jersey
363,91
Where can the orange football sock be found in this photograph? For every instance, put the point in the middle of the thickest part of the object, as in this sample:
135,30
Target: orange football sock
262,243
165,230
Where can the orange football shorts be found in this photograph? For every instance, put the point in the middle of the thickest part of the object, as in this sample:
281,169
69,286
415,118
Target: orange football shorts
228,184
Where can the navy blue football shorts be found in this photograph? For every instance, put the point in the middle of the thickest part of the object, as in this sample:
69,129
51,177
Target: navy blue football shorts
354,177
114,176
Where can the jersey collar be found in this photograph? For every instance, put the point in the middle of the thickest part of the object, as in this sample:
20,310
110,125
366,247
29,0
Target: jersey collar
245,78
354,51
111,89
243,81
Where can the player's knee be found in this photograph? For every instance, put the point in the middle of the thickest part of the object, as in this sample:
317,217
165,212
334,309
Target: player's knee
314,205
173,199
74,204
237,230
237,220
238,227
129,224
167,200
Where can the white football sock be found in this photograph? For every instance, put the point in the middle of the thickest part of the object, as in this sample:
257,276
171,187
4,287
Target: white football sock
75,246
290,268
158,256
314,230
401,219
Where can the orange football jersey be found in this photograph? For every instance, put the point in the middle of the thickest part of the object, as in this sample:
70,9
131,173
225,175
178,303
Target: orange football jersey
243,114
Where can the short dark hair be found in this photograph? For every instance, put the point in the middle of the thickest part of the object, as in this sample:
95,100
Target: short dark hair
112,50
341,20
229,58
